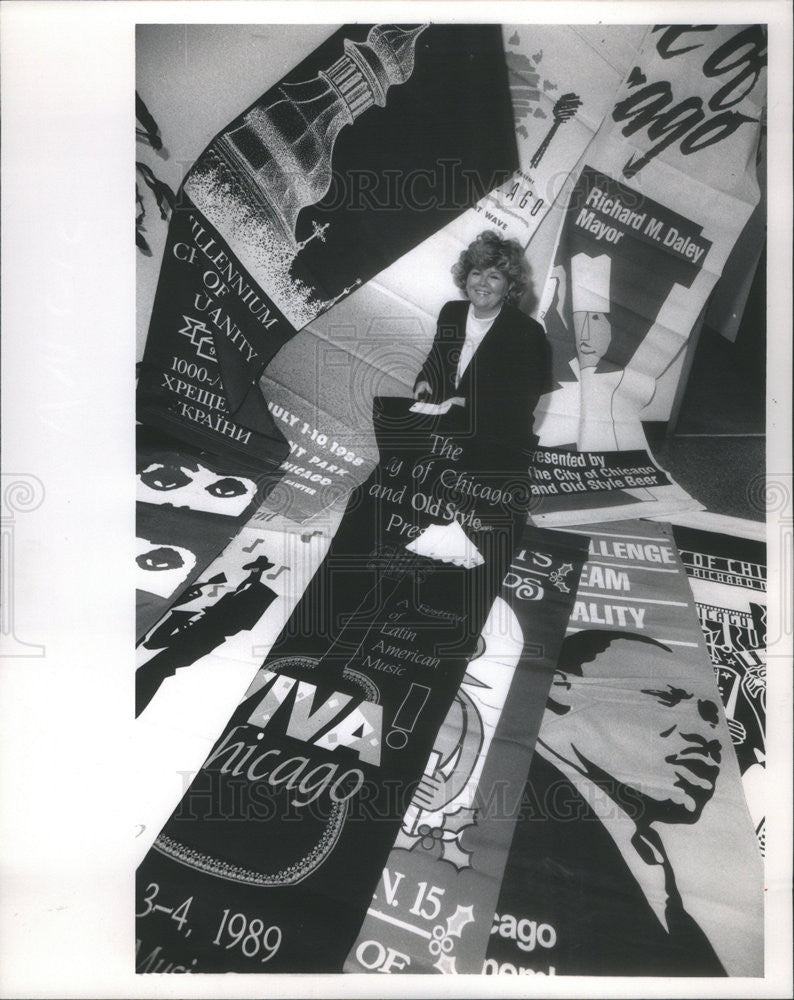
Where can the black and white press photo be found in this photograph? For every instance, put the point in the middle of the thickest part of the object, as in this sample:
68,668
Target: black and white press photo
443,494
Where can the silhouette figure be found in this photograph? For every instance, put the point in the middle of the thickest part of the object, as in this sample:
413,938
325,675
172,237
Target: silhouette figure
232,613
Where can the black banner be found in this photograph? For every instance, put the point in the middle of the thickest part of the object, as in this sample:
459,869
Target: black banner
270,861
727,575
359,154
190,504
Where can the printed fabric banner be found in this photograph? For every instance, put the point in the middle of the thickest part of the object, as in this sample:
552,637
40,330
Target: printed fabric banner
634,853
197,662
727,575
222,611
189,505
271,859
434,905
289,209
661,196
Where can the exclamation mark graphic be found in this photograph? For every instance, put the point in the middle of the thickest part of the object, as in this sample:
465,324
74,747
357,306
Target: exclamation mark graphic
407,714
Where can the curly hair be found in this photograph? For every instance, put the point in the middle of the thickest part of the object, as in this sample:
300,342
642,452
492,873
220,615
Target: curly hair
492,250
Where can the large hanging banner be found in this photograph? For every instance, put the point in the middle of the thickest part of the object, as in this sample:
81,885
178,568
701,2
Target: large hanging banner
727,575
434,904
195,664
634,853
270,861
660,198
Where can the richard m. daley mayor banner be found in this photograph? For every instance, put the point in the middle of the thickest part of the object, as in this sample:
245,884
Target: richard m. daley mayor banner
658,201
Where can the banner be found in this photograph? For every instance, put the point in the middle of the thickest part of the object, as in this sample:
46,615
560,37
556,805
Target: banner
201,655
727,575
356,811
189,504
301,200
650,221
273,854
634,853
434,904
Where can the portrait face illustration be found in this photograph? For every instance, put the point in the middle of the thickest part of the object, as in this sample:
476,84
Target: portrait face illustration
637,720
593,333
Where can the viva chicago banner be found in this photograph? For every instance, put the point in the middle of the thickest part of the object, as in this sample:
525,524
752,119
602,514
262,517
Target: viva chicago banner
270,861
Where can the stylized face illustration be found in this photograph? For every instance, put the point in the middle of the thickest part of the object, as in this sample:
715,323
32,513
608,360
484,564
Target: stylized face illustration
167,481
226,487
634,722
166,476
164,557
593,334
486,288
161,568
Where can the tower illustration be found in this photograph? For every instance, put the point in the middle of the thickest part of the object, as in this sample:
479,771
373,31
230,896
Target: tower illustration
282,152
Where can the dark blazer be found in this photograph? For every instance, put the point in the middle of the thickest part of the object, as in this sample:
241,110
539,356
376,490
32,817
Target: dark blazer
565,870
510,370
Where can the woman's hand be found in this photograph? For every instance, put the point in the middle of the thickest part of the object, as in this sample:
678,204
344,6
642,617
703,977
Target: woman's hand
422,391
